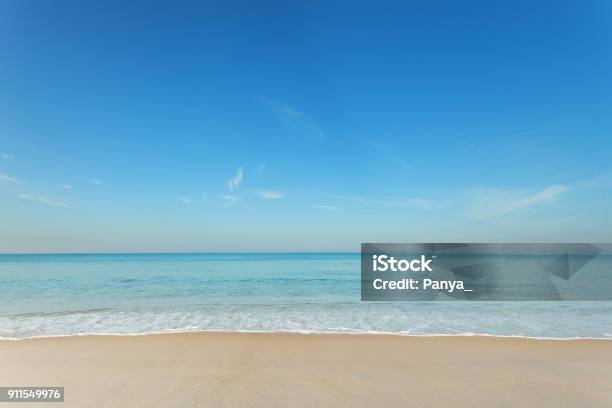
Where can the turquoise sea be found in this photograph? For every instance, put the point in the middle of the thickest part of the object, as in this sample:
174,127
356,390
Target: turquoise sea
60,294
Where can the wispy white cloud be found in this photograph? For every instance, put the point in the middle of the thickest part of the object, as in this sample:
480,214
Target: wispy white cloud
97,182
390,153
325,207
547,195
414,202
52,203
293,117
236,180
283,112
488,201
185,200
230,199
66,187
270,195
43,200
6,156
8,179
288,114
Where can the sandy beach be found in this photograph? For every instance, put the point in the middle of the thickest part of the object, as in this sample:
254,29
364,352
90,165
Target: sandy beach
234,369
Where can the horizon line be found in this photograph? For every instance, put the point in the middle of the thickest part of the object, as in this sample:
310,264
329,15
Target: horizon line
177,252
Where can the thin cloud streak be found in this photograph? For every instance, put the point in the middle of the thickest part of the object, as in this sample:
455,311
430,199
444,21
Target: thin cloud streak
236,180
547,195
283,112
230,199
270,195
42,200
6,156
52,203
8,179
292,117
414,202
390,154
185,200
498,201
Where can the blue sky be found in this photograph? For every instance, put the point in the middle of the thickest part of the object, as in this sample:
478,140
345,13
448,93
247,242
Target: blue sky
282,126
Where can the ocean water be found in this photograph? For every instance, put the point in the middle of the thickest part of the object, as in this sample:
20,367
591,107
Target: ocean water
58,295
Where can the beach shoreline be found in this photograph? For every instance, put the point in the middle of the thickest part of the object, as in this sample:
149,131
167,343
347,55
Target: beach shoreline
303,333
288,369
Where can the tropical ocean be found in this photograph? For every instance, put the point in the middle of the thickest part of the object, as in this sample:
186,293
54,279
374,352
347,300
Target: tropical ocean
78,294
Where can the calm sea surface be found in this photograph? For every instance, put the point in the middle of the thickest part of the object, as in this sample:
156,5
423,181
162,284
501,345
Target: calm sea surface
48,295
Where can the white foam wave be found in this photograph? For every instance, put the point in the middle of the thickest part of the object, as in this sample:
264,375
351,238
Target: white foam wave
579,321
